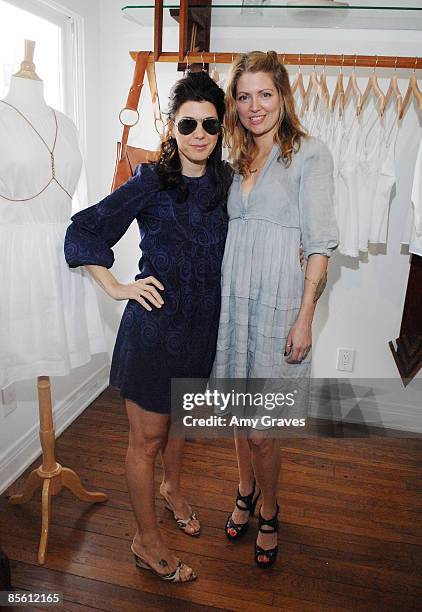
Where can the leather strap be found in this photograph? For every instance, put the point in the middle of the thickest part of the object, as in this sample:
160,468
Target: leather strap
138,80
152,80
134,94
144,61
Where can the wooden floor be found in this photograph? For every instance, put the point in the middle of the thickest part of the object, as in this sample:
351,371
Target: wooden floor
350,536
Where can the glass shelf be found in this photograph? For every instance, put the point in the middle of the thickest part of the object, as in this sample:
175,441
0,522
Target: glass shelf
374,15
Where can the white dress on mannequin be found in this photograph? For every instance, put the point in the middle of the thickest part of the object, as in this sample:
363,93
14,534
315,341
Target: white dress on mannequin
49,316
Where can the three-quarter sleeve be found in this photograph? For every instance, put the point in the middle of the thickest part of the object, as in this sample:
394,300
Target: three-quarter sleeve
95,230
316,200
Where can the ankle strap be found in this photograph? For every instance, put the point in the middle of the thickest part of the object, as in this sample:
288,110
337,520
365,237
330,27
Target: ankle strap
246,499
272,522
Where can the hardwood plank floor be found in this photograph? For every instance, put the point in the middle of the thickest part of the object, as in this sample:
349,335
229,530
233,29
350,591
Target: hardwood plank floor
350,535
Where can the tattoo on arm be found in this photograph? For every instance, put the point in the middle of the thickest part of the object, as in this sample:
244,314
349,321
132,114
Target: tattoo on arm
319,285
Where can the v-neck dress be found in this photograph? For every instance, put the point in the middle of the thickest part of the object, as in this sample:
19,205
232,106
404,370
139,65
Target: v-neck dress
182,245
262,281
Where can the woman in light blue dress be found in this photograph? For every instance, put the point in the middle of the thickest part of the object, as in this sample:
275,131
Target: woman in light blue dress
280,198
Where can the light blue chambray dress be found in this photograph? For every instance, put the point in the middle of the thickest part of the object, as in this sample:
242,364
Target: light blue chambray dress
262,282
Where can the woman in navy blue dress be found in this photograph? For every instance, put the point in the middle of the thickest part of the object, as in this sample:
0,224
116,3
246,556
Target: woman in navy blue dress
169,327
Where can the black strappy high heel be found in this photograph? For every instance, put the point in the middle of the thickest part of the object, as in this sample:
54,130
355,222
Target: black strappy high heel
249,505
271,553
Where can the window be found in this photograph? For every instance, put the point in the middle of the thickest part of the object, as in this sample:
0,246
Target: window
58,56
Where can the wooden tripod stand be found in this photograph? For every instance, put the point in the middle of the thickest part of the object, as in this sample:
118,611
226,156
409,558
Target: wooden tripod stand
51,476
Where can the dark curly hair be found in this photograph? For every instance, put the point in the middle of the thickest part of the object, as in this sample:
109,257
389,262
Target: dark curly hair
194,87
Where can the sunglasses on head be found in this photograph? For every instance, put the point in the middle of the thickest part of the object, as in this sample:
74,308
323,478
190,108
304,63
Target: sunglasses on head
188,125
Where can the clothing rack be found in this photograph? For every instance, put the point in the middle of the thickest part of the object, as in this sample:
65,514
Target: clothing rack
299,59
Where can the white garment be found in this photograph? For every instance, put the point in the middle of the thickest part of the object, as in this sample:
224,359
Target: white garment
317,121
412,234
49,317
386,178
345,142
363,150
417,192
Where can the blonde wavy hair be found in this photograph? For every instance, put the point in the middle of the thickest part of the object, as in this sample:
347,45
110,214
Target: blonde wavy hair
289,133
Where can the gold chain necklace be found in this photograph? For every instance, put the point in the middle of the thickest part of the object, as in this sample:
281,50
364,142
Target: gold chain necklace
260,166
52,160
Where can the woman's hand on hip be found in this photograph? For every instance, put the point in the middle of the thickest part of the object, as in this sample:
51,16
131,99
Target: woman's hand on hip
299,342
143,291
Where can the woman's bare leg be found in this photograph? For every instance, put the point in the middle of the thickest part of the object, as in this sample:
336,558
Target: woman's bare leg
246,472
266,464
172,460
147,436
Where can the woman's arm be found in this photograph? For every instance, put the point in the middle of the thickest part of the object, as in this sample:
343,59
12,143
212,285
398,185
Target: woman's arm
319,238
299,340
142,290
95,230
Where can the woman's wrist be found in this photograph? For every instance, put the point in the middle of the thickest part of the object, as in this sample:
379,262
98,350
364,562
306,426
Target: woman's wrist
104,278
112,287
306,314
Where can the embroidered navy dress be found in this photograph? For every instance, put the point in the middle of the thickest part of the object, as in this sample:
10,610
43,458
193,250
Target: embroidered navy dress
182,245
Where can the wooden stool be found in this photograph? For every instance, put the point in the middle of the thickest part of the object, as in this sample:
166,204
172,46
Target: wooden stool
51,476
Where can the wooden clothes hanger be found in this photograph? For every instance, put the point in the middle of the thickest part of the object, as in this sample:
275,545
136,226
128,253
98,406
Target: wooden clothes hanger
353,90
314,88
394,90
339,93
317,89
214,73
325,92
374,88
298,84
412,91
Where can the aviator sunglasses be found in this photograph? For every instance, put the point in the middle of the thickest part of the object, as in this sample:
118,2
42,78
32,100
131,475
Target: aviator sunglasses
187,125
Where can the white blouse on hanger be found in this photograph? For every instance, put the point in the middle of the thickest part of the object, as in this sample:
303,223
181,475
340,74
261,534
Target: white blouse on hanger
363,149
383,179
412,234
49,316
345,143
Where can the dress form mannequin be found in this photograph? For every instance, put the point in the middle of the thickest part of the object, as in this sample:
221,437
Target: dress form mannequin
26,94
27,70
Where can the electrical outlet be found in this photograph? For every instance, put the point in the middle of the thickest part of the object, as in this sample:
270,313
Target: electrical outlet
345,359
8,400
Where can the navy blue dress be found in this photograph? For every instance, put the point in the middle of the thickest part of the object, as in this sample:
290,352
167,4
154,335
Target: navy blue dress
182,245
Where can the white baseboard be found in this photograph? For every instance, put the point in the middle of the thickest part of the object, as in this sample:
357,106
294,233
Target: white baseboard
15,460
384,411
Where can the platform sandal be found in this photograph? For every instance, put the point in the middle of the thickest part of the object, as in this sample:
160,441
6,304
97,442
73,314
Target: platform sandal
271,553
182,523
171,576
249,505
